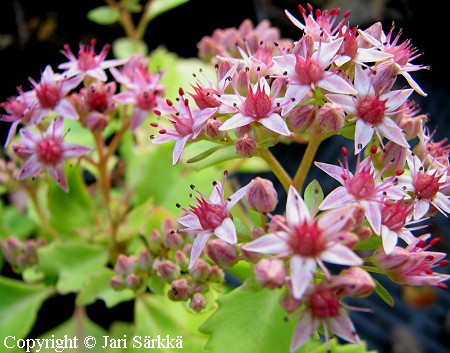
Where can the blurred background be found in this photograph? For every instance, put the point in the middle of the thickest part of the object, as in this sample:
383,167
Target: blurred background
32,33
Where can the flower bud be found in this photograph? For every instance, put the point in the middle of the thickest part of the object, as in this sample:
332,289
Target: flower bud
225,255
125,265
364,232
200,271
173,240
182,260
251,256
242,130
331,117
241,82
289,303
96,121
212,129
394,157
275,223
261,195
117,282
198,302
216,275
270,273
246,146
145,260
133,281
167,271
179,290
388,262
301,118
155,241
353,281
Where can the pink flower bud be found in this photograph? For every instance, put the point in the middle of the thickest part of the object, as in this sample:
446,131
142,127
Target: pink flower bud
200,271
173,240
242,130
216,275
262,196
275,223
117,282
270,273
331,117
133,281
212,129
364,232
167,271
301,118
198,302
96,121
251,256
181,260
246,146
179,290
225,255
289,303
155,241
125,265
396,258
354,282
145,260
394,157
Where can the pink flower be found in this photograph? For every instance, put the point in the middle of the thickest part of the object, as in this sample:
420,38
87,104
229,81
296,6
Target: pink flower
259,106
427,185
372,110
211,216
88,63
413,265
306,69
187,125
308,241
50,152
49,95
362,187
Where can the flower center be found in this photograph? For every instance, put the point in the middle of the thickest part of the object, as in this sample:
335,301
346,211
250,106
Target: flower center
49,151
324,304
372,109
393,214
48,95
257,105
426,185
86,59
209,215
146,100
307,240
97,100
362,184
308,71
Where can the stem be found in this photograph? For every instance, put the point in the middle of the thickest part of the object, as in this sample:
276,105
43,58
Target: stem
307,160
143,22
103,168
276,168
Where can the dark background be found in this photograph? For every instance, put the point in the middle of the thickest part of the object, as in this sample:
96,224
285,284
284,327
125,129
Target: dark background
32,33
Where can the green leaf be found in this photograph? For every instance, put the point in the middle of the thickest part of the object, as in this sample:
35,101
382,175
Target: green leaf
348,131
123,48
80,327
71,263
259,313
384,294
19,305
373,243
71,211
104,15
313,196
158,7
243,231
98,287
14,222
156,315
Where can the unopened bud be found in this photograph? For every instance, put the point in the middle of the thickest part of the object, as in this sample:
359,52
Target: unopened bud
145,260
246,146
353,281
200,271
125,264
117,282
276,223
388,262
301,118
212,129
225,255
251,256
289,303
216,275
96,121
364,232
331,117
173,240
167,271
179,290
270,273
198,302
242,130
393,157
261,195
155,241
181,260
133,281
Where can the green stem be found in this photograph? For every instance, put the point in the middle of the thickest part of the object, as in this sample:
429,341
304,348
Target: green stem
307,160
276,168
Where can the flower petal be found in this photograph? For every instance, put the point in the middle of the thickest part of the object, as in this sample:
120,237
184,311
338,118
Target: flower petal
197,247
302,270
227,231
271,243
